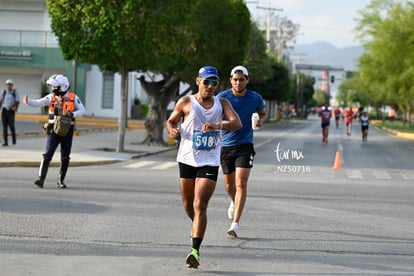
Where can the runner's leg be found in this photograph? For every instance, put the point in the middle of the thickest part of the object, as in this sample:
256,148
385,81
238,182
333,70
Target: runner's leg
187,186
242,176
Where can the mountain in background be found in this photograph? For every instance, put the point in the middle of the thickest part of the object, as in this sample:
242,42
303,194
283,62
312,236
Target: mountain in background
324,53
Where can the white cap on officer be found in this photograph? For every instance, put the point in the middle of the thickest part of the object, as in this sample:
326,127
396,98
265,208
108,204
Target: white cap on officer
59,80
9,81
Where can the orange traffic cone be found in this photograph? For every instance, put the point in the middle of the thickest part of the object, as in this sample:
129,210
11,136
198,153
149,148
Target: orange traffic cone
337,162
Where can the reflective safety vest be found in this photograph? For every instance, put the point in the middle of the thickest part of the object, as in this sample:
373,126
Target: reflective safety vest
60,104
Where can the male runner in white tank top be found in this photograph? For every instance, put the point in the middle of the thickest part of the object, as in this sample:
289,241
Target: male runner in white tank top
201,118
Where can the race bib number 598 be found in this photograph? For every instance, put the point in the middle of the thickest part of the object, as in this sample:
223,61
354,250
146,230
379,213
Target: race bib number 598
205,140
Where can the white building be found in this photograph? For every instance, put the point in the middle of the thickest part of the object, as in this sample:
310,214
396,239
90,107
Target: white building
29,54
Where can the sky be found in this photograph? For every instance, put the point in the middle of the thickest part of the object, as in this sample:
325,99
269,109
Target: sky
332,21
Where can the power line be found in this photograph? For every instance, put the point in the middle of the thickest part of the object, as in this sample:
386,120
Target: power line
268,11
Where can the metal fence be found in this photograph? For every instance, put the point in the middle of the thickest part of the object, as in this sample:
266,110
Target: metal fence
28,38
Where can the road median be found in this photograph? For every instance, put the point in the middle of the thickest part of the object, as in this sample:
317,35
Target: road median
398,133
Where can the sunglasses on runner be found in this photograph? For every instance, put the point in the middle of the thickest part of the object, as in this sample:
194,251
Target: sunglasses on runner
208,82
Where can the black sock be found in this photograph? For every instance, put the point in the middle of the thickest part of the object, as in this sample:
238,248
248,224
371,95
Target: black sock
197,243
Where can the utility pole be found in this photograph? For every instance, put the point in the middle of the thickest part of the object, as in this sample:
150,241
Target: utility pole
268,14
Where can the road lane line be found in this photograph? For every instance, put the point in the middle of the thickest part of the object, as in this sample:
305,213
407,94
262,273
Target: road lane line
407,175
164,165
381,174
340,149
139,164
354,174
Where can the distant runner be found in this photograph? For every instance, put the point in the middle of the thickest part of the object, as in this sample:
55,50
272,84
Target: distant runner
364,126
326,116
349,115
337,113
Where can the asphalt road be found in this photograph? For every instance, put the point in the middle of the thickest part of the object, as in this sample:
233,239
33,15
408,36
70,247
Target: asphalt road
303,217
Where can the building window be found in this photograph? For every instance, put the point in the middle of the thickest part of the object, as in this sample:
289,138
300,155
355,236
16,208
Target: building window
108,91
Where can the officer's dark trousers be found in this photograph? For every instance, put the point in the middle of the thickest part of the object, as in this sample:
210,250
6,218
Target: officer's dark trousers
7,118
53,140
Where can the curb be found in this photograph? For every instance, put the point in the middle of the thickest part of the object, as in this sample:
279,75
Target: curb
90,124
56,163
80,163
399,134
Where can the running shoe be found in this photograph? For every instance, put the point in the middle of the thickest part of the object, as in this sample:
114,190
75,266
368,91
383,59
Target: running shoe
230,210
234,228
193,259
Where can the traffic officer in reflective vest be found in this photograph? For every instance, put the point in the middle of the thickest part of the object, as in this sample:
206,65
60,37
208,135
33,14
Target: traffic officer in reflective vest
61,102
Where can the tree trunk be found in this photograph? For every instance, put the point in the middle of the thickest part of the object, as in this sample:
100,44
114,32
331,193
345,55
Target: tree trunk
379,113
122,121
162,93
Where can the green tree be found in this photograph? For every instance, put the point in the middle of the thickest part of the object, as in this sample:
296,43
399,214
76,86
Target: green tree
173,38
218,38
302,92
321,97
277,86
196,38
355,90
307,90
118,35
385,29
257,60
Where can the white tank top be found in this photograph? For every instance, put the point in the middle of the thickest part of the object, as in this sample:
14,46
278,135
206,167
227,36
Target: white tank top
196,148
364,121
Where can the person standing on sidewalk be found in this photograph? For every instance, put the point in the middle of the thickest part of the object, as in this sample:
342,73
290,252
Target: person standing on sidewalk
237,152
9,103
201,119
63,106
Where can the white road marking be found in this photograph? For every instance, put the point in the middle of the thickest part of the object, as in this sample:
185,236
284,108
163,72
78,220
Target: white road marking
407,175
139,164
381,174
355,174
164,165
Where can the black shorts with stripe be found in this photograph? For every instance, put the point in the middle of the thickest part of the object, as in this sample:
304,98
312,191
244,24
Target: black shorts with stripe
240,156
187,171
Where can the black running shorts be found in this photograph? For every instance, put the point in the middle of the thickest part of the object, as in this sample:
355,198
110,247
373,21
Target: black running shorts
187,171
236,156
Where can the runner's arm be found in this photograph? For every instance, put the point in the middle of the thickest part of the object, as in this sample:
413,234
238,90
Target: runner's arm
233,121
262,116
176,115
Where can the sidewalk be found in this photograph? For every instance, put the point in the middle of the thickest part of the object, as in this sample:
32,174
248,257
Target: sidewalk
89,148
